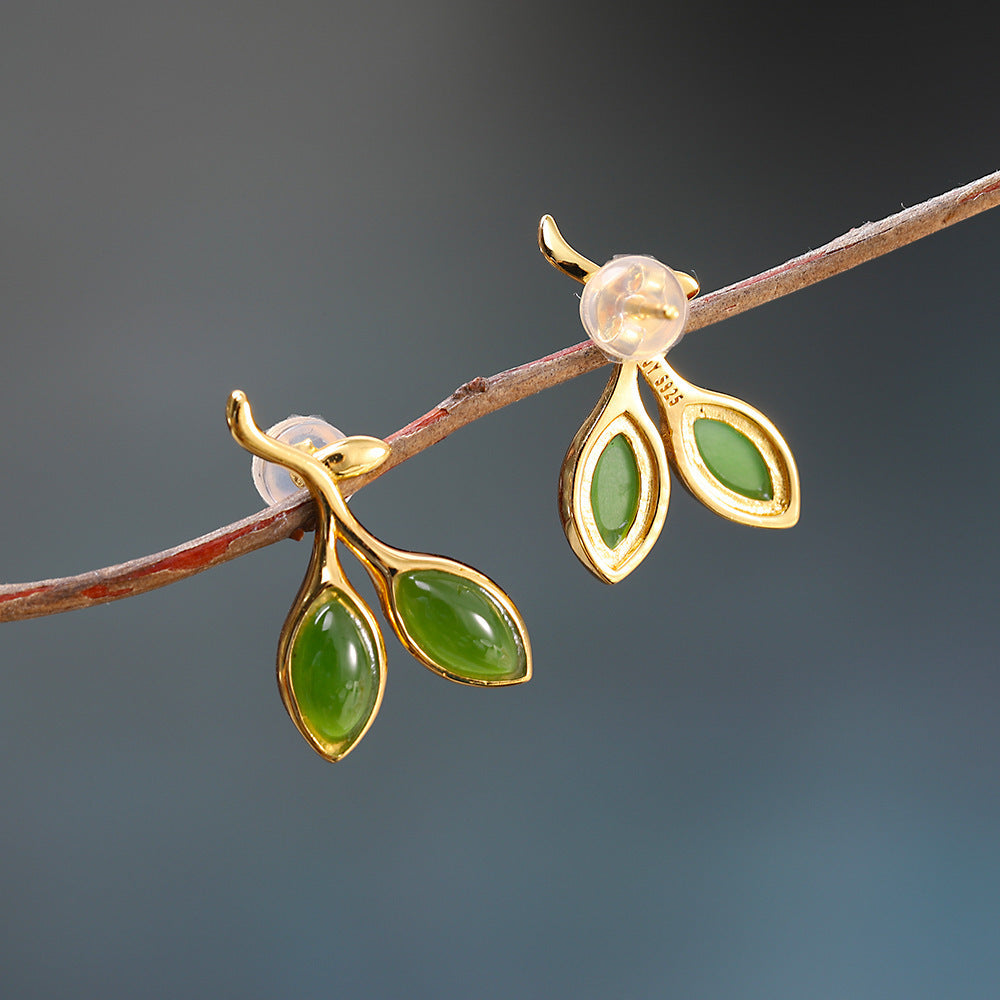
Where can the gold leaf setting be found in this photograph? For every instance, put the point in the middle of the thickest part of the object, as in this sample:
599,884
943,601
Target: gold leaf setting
680,405
619,411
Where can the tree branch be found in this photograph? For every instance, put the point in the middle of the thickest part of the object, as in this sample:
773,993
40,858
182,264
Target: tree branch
481,396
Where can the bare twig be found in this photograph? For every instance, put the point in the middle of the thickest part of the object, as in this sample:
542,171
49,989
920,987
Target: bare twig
484,395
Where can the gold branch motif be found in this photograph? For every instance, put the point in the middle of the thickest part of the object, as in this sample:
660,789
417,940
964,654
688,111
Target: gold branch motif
614,486
331,656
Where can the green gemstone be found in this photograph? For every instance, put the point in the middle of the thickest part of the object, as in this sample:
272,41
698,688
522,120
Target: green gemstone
334,669
733,459
614,490
460,626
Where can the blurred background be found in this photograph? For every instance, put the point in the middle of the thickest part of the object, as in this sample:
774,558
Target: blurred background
763,766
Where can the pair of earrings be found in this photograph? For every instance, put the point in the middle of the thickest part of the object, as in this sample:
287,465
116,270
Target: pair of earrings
613,494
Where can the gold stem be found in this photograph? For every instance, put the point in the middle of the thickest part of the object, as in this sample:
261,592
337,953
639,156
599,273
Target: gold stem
336,520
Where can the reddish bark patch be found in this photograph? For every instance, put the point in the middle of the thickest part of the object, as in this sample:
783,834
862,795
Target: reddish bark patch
22,593
420,422
973,195
104,592
195,558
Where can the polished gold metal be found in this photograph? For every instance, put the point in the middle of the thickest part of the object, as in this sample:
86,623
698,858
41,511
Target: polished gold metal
353,456
680,403
324,573
335,522
564,258
560,254
619,411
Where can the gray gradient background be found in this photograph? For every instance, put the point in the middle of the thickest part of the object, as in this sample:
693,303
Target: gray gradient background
764,766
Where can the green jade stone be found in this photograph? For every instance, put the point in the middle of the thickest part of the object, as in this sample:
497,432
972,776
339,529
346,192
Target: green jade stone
614,490
334,669
733,459
459,626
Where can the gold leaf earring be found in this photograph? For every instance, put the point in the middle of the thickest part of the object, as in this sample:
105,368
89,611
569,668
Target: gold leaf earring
331,655
614,487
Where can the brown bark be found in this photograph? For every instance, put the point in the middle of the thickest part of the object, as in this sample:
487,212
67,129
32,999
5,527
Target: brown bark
481,396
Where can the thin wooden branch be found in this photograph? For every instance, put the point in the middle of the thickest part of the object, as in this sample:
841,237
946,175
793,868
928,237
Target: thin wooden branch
481,396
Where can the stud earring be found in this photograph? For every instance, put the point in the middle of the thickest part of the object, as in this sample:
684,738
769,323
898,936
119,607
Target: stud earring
331,655
615,486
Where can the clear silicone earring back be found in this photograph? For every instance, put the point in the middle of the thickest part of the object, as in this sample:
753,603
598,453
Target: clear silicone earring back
274,482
